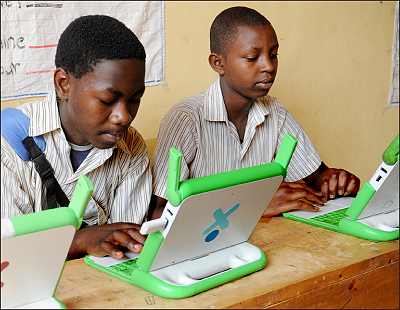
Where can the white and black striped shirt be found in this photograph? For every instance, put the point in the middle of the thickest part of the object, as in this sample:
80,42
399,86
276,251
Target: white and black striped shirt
199,128
121,176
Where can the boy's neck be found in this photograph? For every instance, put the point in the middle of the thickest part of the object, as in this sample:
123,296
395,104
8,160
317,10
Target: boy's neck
237,108
236,105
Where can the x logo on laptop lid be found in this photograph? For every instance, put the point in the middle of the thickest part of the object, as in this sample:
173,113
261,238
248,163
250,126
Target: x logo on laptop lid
221,220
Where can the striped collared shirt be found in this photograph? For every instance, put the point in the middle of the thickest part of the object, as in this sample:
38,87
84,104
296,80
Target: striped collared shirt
121,176
199,128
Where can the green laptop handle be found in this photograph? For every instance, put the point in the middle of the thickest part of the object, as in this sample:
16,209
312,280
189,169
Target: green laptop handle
53,218
391,155
177,192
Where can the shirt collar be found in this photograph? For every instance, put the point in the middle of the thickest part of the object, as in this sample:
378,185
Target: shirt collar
45,116
259,111
214,105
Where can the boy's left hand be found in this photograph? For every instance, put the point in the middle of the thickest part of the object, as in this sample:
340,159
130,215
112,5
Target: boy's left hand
332,182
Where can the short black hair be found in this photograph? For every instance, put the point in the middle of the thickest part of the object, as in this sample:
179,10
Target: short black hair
224,27
92,38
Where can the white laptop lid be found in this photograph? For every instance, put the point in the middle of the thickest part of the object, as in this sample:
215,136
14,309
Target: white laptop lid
34,248
33,265
199,229
386,198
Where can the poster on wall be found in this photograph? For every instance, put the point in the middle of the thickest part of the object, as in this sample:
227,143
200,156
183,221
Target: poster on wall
394,88
30,31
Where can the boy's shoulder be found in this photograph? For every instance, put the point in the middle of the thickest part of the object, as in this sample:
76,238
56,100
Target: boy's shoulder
43,114
29,107
190,104
187,108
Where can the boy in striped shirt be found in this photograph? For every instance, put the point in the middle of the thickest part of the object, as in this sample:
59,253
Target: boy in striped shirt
85,123
235,124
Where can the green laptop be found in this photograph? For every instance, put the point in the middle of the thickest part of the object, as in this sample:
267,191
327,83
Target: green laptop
200,241
34,250
373,214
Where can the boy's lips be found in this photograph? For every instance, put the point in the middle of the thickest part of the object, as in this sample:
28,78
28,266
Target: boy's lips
265,84
115,138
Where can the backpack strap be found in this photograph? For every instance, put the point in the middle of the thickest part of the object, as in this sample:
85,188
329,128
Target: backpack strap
15,129
54,192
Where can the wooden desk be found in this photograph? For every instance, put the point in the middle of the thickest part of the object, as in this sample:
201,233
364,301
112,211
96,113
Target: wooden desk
307,267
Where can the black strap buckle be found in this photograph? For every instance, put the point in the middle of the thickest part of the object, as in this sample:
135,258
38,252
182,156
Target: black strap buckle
42,166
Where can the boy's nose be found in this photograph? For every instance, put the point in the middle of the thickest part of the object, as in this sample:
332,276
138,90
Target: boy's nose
267,65
120,115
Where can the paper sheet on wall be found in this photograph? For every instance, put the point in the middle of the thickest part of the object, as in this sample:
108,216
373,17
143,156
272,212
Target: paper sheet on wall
30,31
394,88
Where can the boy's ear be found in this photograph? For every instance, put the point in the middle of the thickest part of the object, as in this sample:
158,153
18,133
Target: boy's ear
62,81
217,63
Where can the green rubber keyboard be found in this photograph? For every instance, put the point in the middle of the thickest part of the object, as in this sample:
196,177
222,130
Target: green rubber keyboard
332,218
125,268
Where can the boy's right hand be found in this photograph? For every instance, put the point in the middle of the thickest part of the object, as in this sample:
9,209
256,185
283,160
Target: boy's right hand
294,196
102,240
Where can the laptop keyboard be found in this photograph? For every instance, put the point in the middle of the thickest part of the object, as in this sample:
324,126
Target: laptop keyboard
332,218
125,268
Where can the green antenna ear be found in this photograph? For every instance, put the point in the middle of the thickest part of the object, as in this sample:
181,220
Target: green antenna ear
286,150
174,195
81,196
391,155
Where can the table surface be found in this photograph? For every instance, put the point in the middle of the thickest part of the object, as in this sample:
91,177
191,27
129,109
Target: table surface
307,267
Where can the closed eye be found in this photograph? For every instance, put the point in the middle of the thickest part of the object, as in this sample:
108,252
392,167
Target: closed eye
105,102
137,101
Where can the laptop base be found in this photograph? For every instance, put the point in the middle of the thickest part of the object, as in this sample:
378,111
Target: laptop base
193,276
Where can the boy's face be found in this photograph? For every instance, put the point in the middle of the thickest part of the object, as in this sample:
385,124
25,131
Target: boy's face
101,105
251,63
